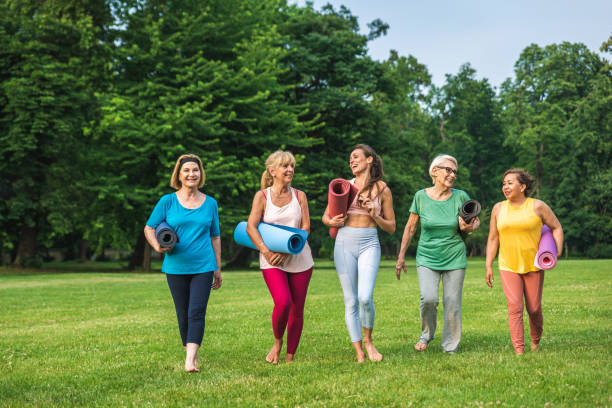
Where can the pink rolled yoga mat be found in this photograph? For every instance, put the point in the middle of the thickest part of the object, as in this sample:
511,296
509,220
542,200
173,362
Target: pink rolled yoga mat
341,195
546,257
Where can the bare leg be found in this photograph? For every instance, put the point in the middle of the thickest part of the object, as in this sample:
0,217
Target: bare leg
191,358
373,354
274,353
359,354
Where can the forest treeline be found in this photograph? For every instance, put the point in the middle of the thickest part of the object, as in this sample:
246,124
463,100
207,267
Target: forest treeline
99,97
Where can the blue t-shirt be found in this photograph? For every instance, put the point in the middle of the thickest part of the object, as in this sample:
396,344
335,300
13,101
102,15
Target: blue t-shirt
193,253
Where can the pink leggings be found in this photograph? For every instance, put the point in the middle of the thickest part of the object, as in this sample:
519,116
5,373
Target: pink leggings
515,286
288,291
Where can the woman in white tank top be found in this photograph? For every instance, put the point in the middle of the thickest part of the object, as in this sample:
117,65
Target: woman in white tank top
287,276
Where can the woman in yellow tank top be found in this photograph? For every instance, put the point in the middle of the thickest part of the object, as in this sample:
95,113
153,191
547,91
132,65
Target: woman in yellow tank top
516,226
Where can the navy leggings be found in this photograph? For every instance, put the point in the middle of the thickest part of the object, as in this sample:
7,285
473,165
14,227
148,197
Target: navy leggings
190,294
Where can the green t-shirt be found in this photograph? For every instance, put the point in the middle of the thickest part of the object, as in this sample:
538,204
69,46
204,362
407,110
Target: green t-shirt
440,246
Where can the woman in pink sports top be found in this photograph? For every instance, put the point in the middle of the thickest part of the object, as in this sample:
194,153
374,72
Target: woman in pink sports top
357,248
287,276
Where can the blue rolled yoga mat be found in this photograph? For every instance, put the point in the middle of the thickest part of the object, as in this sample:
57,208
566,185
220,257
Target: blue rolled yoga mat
278,238
165,235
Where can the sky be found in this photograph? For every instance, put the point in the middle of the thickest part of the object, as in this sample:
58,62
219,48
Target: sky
489,34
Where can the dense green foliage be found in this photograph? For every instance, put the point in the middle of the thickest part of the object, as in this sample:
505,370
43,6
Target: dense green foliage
98,98
110,339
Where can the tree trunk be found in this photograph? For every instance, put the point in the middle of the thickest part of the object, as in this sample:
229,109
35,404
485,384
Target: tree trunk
26,249
539,171
442,129
83,250
146,264
240,259
138,254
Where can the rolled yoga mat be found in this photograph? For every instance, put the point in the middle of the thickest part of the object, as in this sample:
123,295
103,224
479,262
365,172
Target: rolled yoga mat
278,238
546,257
165,235
470,209
341,195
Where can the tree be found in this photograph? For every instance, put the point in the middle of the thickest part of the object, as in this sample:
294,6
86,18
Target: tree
199,77
53,61
557,118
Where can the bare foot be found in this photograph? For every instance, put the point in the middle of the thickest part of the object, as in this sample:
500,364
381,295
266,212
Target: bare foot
274,353
420,346
289,358
360,357
373,354
191,368
197,361
535,347
359,354
191,358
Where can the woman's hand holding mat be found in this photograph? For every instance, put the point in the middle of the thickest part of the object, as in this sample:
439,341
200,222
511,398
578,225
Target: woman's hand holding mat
166,236
278,238
340,196
546,257
470,209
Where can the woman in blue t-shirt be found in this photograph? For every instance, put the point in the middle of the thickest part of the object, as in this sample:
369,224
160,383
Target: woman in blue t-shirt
440,253
193,265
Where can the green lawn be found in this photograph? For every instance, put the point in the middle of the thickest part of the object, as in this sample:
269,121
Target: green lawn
110,339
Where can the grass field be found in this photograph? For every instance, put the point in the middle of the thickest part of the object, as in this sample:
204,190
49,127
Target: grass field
110,339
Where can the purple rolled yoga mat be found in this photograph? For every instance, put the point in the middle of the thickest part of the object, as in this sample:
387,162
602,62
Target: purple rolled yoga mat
546,257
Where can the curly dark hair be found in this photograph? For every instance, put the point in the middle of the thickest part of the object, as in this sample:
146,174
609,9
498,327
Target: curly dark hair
523,177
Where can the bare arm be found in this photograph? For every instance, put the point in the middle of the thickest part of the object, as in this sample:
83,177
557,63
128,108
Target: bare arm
550,219
409,232
305,225
216,244
386,221
257,211
492,245
152,240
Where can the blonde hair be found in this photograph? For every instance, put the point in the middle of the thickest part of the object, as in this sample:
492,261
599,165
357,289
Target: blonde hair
175,181
438,160
275,160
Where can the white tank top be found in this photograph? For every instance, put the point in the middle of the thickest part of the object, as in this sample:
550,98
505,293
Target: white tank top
289,215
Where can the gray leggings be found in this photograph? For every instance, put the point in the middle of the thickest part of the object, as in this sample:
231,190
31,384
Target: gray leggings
452,286
357,256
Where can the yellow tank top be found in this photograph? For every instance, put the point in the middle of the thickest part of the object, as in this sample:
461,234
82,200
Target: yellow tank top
519,236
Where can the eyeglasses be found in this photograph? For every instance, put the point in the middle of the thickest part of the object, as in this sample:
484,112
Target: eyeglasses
449,170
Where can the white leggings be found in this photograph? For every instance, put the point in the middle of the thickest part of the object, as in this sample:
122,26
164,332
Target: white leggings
357,256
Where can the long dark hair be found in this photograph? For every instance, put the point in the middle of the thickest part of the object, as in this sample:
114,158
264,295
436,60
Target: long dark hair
376,169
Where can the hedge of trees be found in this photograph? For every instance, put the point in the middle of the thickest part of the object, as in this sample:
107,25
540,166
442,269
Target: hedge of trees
99,97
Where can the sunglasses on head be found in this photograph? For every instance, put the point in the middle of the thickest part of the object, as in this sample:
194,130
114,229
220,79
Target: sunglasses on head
449,170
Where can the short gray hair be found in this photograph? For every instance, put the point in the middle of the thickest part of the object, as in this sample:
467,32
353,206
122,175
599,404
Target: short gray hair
438,160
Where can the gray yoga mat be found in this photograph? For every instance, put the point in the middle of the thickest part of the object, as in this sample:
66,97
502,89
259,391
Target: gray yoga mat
165,235
470,209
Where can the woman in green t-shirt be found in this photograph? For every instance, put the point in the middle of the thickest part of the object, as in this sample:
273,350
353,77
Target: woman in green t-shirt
440,253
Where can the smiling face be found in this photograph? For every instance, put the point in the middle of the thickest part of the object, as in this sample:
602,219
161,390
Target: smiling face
359,162
445,174
283,173
189,175
512,188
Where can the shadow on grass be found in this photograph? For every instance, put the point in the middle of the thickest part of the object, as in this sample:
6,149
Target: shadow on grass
71,267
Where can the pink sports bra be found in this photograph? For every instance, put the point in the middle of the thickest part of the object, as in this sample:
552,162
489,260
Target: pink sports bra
354,208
